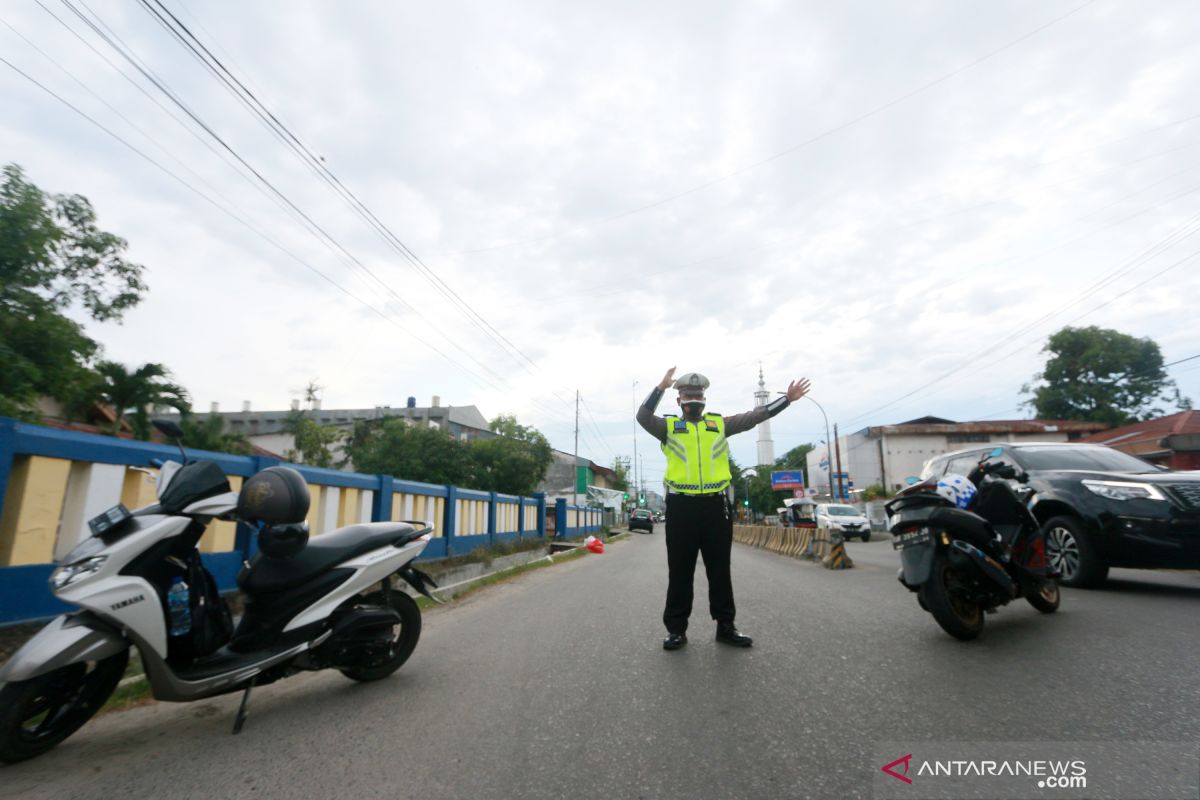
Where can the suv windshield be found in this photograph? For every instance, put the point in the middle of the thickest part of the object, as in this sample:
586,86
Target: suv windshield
1099,458
843,511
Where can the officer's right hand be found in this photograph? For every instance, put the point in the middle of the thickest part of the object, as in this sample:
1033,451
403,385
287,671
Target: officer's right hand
667,380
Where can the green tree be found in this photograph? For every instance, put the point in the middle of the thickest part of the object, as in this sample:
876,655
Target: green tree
521,464
313,442
209,434
53,257
621,467
875,492
1102,375
137,394
505,465
796,458
517,460
391,446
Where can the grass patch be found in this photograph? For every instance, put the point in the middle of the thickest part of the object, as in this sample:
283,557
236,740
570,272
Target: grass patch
486,554
502,577
133,694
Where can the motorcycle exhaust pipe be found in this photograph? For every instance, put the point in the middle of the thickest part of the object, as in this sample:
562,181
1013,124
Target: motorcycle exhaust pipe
989,566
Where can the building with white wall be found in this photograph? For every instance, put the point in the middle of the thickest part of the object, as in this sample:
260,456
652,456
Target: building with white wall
887,454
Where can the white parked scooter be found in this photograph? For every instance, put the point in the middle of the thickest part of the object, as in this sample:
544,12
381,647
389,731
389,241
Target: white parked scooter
328,603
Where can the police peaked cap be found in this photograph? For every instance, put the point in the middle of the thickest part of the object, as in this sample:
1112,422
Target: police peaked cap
691,382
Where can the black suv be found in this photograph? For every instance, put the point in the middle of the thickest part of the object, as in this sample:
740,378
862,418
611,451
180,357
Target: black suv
641,518
1099,507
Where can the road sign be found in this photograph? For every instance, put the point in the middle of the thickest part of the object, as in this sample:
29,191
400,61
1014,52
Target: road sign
800,493
787,480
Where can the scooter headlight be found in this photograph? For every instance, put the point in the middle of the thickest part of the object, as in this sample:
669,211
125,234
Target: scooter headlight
69,573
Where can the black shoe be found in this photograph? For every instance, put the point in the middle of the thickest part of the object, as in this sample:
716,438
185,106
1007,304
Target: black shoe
674,641
728,634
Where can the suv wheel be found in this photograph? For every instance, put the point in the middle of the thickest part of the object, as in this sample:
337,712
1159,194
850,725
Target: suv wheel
1072,554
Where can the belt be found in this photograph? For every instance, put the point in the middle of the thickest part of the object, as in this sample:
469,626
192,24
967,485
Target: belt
689,494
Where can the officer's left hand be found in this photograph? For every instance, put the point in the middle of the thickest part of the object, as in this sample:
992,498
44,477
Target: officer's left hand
797,389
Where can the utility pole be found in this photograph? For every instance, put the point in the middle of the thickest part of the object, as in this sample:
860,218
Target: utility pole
837,448
575,460
635,427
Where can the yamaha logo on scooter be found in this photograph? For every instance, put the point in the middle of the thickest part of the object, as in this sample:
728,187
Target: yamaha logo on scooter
128,602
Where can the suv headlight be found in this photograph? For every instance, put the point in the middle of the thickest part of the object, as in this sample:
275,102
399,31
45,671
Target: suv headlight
1124,490
69,573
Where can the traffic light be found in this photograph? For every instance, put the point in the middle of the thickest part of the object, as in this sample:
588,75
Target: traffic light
641,499
746,502
627,495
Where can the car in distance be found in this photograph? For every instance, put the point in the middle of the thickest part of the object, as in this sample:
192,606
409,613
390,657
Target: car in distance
641,519
1099,507
847,519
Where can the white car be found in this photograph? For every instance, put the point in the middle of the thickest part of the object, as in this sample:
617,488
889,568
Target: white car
848,519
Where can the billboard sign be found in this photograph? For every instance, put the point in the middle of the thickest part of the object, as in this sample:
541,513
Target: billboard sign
787,480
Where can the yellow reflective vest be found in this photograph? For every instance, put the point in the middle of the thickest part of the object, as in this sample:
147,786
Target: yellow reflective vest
697,455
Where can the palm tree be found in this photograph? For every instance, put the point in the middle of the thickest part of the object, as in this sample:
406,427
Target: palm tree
136,394
209,434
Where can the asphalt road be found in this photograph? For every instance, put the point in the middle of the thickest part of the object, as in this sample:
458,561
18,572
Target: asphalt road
555,686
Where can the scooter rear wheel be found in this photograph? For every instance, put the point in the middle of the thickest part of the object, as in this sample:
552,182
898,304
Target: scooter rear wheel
1047,599
37,714
403,643
957,615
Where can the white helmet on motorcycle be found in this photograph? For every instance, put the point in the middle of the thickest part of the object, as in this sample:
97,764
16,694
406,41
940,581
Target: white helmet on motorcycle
957,489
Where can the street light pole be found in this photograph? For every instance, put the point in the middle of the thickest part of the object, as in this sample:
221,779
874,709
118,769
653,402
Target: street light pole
828,445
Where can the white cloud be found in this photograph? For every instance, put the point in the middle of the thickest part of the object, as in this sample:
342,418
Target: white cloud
524,152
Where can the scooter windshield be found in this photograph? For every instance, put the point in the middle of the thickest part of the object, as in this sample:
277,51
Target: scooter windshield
93,545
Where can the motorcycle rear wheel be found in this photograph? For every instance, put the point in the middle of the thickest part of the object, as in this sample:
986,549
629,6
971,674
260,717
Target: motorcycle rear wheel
958,616
403,643
1047,599
37,714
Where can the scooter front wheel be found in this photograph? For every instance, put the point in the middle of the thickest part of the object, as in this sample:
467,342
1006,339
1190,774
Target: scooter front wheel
957,615
403,642
37,714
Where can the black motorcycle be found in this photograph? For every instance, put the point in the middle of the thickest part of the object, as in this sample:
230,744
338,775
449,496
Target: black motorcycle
964,563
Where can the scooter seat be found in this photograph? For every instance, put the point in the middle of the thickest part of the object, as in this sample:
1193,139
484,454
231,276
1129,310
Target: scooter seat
970,527
323,552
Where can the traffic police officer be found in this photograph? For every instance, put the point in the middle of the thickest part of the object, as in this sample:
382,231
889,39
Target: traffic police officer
699,514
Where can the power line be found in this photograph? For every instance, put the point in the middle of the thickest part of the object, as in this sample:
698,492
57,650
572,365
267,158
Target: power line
192,43
117,44
813,139
1185,231
240,220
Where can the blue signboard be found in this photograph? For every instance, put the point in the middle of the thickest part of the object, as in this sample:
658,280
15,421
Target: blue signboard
787,480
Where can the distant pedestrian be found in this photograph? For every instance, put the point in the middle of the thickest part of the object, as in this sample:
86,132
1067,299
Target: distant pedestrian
699,513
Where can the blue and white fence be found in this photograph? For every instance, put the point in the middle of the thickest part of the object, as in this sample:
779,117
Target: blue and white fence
53,481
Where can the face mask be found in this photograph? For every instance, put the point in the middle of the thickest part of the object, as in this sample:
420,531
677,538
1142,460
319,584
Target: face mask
693,410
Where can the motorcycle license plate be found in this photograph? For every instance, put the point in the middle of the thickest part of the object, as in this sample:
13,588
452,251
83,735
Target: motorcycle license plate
912,539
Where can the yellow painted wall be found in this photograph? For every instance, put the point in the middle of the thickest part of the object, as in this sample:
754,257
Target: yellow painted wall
138,489
221,537
32,507
347,507
423,508
314,508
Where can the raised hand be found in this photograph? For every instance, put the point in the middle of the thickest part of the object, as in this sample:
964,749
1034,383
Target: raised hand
796,389
667,380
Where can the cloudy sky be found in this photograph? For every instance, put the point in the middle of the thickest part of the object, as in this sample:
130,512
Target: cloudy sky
899,201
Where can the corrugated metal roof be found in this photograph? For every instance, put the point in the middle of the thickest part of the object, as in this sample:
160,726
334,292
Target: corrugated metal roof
989,426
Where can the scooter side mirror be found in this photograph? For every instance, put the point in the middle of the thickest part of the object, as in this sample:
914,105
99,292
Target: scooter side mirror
1007,471
912,479
168,428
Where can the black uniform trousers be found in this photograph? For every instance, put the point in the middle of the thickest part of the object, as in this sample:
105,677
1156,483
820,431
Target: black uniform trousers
698,525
